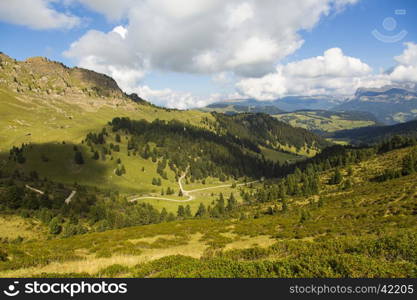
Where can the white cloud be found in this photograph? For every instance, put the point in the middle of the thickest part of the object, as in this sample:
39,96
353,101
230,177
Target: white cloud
332,73
175,99
239,14
240,37
121,31
333,63
36,14
113,9
108,53
209,36
407,65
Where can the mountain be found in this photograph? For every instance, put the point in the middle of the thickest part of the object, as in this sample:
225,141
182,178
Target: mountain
314,120
389,104
230,108
43,77
336,217
327,121
264,130
58,122
42,101
84,167
285,104
294,103
375,134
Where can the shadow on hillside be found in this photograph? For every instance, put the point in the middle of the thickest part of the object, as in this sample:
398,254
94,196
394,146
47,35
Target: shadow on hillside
57,162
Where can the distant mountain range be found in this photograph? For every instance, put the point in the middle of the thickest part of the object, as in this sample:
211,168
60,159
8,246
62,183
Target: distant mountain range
389,104
386,105
286,104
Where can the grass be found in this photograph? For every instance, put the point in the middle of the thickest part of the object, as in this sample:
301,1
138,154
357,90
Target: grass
313,121
365,231
278,156
13,227
207,197
71,120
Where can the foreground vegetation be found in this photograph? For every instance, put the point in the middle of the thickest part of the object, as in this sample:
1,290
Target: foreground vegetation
354,226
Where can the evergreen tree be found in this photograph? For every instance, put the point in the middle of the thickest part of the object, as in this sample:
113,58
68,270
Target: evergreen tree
55,226
181,212
231,202
78,158
336,178
408,167
220,204
163,217
187,211
201,211
96,156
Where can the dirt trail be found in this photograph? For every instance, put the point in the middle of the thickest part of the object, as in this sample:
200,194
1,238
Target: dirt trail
187,193
34,190
68,200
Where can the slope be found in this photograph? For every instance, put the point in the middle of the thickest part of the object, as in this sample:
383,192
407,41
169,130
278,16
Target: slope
375,134
366,229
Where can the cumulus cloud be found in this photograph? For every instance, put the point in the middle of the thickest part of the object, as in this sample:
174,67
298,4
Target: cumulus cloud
175,99
208,36
36,14
113,9
333,73
242,37
109,54
407,65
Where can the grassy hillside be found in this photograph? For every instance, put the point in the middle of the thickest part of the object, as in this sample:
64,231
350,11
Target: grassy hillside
375,134
232,109
26,119
326,121
268,132
361,229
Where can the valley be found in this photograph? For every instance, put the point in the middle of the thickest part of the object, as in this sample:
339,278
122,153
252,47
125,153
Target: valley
98,183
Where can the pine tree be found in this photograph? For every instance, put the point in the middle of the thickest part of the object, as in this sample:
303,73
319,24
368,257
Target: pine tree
181,212
78,158
220,204
408,165
284,205
201,211
337,177
187,211
163,217
55,226
231,202
96,156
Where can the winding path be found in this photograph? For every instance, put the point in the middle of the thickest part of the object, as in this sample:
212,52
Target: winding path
187,193
68,200
34,190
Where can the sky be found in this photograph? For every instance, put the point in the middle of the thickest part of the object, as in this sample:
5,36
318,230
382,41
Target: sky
184,54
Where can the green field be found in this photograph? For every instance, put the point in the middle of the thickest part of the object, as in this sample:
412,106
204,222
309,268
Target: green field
374,236
316,121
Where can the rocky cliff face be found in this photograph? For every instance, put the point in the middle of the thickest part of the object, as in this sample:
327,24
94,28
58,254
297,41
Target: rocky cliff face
389,104
43,77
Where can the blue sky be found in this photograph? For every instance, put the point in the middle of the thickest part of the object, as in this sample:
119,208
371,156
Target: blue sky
207,70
